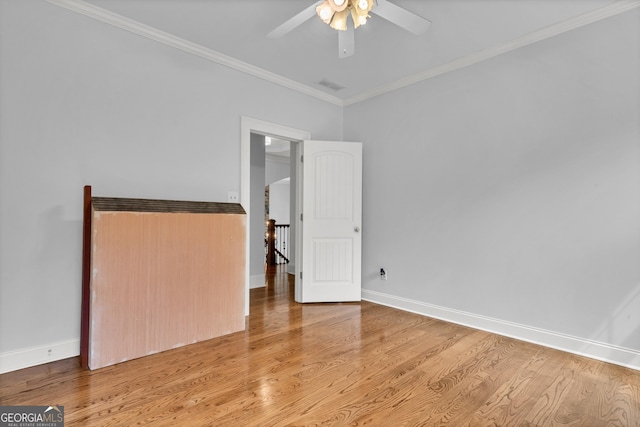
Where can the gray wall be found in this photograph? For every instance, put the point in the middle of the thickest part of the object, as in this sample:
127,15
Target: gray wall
276,169
86,103
511,189
279,202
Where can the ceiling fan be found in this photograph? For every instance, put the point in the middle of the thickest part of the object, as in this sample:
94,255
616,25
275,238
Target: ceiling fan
336,13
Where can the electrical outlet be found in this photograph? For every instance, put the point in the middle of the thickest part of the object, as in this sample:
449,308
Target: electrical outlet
383,274
233,197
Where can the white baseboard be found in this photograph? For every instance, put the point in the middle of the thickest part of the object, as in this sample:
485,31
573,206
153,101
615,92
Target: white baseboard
33,356
257,281
584,347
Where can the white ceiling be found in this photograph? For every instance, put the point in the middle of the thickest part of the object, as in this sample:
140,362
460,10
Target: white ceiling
386,56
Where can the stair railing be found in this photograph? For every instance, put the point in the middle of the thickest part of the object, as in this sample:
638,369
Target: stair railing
277,242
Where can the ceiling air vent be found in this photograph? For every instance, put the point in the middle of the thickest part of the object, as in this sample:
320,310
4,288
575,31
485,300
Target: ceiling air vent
331,85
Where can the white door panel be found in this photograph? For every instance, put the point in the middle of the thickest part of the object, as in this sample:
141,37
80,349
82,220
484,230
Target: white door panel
332,214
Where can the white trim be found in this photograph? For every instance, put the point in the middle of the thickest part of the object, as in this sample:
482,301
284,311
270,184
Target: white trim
168,39
32,356
247,126
257,281
584,347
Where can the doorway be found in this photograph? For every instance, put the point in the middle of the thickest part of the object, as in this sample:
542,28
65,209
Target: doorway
251,126
278,204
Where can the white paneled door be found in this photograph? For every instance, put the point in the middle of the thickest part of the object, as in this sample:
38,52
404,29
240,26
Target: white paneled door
331,208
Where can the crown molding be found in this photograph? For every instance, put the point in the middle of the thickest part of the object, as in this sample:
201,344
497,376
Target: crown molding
168,39
474,58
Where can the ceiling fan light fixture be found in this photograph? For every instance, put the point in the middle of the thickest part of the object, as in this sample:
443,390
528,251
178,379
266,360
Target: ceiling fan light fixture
357,19
359,12
363,7
336,12
325,12
338,5
339,21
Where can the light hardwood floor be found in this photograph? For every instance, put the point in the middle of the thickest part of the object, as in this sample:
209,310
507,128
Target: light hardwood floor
338,364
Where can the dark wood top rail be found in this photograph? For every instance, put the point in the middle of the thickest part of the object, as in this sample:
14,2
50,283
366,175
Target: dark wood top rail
162,206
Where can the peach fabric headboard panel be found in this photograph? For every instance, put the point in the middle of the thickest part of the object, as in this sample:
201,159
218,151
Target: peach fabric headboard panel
163,274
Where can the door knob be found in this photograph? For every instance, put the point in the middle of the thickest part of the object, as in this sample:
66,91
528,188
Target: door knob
356,229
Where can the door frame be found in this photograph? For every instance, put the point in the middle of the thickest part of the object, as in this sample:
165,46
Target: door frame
249,125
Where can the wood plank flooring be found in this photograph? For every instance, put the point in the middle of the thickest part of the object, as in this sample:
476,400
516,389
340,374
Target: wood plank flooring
347,364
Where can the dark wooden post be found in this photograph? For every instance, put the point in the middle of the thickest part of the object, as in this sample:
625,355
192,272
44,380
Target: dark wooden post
271,242
86,278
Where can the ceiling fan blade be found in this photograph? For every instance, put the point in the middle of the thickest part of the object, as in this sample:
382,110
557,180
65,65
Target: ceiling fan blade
294,22
401,17
346,43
